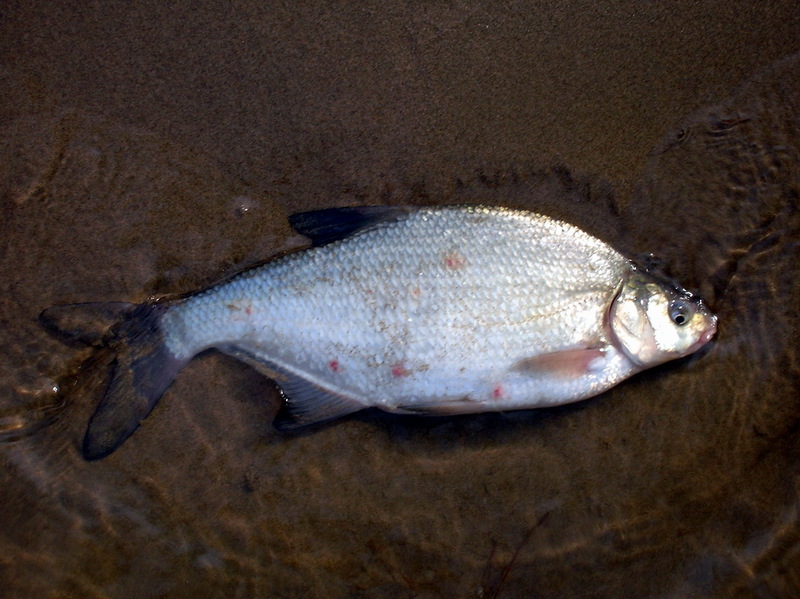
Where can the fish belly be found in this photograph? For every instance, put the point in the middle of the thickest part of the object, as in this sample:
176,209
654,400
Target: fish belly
443,307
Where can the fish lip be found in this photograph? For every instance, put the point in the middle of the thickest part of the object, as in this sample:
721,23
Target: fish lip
706,336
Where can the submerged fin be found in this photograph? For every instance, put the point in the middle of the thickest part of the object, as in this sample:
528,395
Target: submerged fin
84,323
304,402
333,224
567,363
142,370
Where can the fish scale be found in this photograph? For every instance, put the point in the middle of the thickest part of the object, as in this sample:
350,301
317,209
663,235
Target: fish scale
436,307
413,310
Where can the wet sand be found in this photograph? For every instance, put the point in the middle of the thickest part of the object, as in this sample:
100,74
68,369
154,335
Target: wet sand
146,151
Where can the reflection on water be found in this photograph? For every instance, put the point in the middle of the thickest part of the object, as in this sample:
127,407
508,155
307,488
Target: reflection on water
31,407
682,481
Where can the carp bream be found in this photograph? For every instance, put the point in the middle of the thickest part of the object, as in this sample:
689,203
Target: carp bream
446,310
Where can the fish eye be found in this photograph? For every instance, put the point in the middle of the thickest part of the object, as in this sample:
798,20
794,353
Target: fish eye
680,312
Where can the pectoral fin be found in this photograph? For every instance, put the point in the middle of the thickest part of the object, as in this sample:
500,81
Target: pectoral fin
568,363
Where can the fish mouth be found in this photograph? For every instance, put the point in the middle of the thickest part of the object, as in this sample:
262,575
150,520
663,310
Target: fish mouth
706,335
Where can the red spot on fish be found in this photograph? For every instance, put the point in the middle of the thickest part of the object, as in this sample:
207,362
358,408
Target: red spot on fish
416,292
334,365
498,391
238,308
454,261
399,370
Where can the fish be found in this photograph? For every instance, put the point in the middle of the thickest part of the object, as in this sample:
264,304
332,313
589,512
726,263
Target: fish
412,310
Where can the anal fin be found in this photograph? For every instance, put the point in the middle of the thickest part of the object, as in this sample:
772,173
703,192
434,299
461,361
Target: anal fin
304,401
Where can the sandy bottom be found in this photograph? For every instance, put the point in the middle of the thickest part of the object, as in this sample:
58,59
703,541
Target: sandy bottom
145,153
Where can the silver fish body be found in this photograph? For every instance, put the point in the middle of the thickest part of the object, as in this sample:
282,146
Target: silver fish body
441,307
431,310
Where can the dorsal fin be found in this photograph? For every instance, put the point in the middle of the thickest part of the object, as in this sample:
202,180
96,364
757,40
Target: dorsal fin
332,224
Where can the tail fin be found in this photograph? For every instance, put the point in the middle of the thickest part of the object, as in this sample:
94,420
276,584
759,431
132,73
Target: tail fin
142,370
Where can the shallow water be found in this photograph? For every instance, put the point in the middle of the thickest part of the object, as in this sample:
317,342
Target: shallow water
681,482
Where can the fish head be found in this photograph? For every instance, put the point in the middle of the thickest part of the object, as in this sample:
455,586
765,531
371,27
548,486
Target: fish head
652,321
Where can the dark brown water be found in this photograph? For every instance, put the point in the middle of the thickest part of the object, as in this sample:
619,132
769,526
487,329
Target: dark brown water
147,153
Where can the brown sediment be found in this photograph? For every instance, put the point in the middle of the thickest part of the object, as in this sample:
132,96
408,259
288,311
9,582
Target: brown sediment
147,150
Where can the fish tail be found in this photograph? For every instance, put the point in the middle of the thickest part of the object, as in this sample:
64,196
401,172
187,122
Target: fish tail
142,369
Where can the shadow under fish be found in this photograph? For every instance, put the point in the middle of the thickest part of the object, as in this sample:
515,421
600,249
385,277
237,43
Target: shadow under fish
438,311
